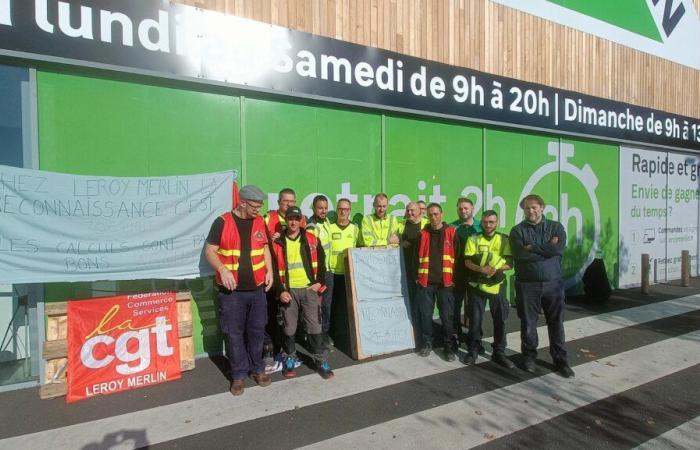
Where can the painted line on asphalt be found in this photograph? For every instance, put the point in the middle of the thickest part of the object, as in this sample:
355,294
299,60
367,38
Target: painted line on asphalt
173,421
484,417
682,437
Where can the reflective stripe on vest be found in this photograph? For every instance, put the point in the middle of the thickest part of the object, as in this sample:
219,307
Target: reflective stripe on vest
322,232
376,232
488,257
284,268
230,248
341,239
448,257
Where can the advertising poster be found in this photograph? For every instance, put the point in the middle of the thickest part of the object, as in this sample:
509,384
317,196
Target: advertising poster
588,206
576,179
643,214
682,226
121,343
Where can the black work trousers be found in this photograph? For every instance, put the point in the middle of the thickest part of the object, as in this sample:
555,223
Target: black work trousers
547,296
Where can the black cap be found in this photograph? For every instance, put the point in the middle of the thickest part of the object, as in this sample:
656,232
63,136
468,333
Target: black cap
293,211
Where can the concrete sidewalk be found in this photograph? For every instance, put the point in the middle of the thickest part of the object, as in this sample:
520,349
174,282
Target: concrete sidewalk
24,412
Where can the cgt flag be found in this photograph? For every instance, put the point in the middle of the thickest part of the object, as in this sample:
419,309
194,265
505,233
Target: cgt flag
121,343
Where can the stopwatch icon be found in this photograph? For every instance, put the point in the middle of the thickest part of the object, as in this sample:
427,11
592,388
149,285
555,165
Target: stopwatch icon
588,180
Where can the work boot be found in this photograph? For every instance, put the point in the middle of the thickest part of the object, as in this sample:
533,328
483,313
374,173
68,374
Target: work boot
261,379
454,343
564,370
471,358
236,387
449,354
529,364
425,351
500,359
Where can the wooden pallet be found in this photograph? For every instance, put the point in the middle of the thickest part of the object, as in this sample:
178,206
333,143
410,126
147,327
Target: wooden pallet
55,350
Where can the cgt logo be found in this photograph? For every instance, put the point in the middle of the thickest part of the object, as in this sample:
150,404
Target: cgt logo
101,349
120,343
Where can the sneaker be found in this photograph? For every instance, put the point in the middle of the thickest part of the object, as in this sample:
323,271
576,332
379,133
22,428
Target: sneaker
564,370
449,354
529,364
261,379
236,387
500,359
289,367
470,359
425,351
325,371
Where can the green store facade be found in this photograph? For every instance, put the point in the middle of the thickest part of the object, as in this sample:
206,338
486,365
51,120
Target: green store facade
79,120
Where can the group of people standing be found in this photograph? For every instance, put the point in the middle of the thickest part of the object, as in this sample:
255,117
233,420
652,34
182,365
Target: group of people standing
273,270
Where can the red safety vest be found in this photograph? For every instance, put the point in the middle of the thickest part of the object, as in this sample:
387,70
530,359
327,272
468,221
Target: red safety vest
275,226
448,257
282,261
230,248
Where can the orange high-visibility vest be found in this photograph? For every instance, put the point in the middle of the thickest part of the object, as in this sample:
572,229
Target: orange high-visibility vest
230,248
448,256
274,224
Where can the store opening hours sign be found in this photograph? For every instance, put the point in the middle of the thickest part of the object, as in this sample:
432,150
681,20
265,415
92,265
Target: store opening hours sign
121,343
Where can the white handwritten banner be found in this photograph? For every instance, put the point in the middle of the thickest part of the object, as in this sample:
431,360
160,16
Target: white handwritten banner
381,294
60,227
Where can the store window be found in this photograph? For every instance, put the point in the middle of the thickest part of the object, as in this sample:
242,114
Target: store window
19,355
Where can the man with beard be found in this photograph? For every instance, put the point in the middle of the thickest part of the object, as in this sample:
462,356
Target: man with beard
238,250
466,226
538,245
319,224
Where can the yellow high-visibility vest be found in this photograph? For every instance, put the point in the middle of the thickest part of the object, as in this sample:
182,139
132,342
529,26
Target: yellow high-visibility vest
488,252
377,231
341,239
295,265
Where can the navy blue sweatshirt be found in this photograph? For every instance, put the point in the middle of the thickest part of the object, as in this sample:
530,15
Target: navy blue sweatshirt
542,262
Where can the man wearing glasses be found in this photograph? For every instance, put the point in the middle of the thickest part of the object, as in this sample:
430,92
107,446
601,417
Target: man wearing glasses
238,250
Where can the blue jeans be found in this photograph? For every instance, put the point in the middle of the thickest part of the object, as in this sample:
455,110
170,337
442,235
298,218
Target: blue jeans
548,296
243,315
499,312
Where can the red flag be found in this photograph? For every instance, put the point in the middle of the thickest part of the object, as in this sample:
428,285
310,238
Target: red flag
236,199
121,343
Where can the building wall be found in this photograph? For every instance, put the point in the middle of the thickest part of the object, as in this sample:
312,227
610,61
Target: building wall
482,35
100,126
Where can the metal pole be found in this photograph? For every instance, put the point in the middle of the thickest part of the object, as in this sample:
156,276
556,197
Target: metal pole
645,273
685,268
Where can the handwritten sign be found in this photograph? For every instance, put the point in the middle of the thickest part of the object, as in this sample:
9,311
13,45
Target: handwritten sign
379,302
60,227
